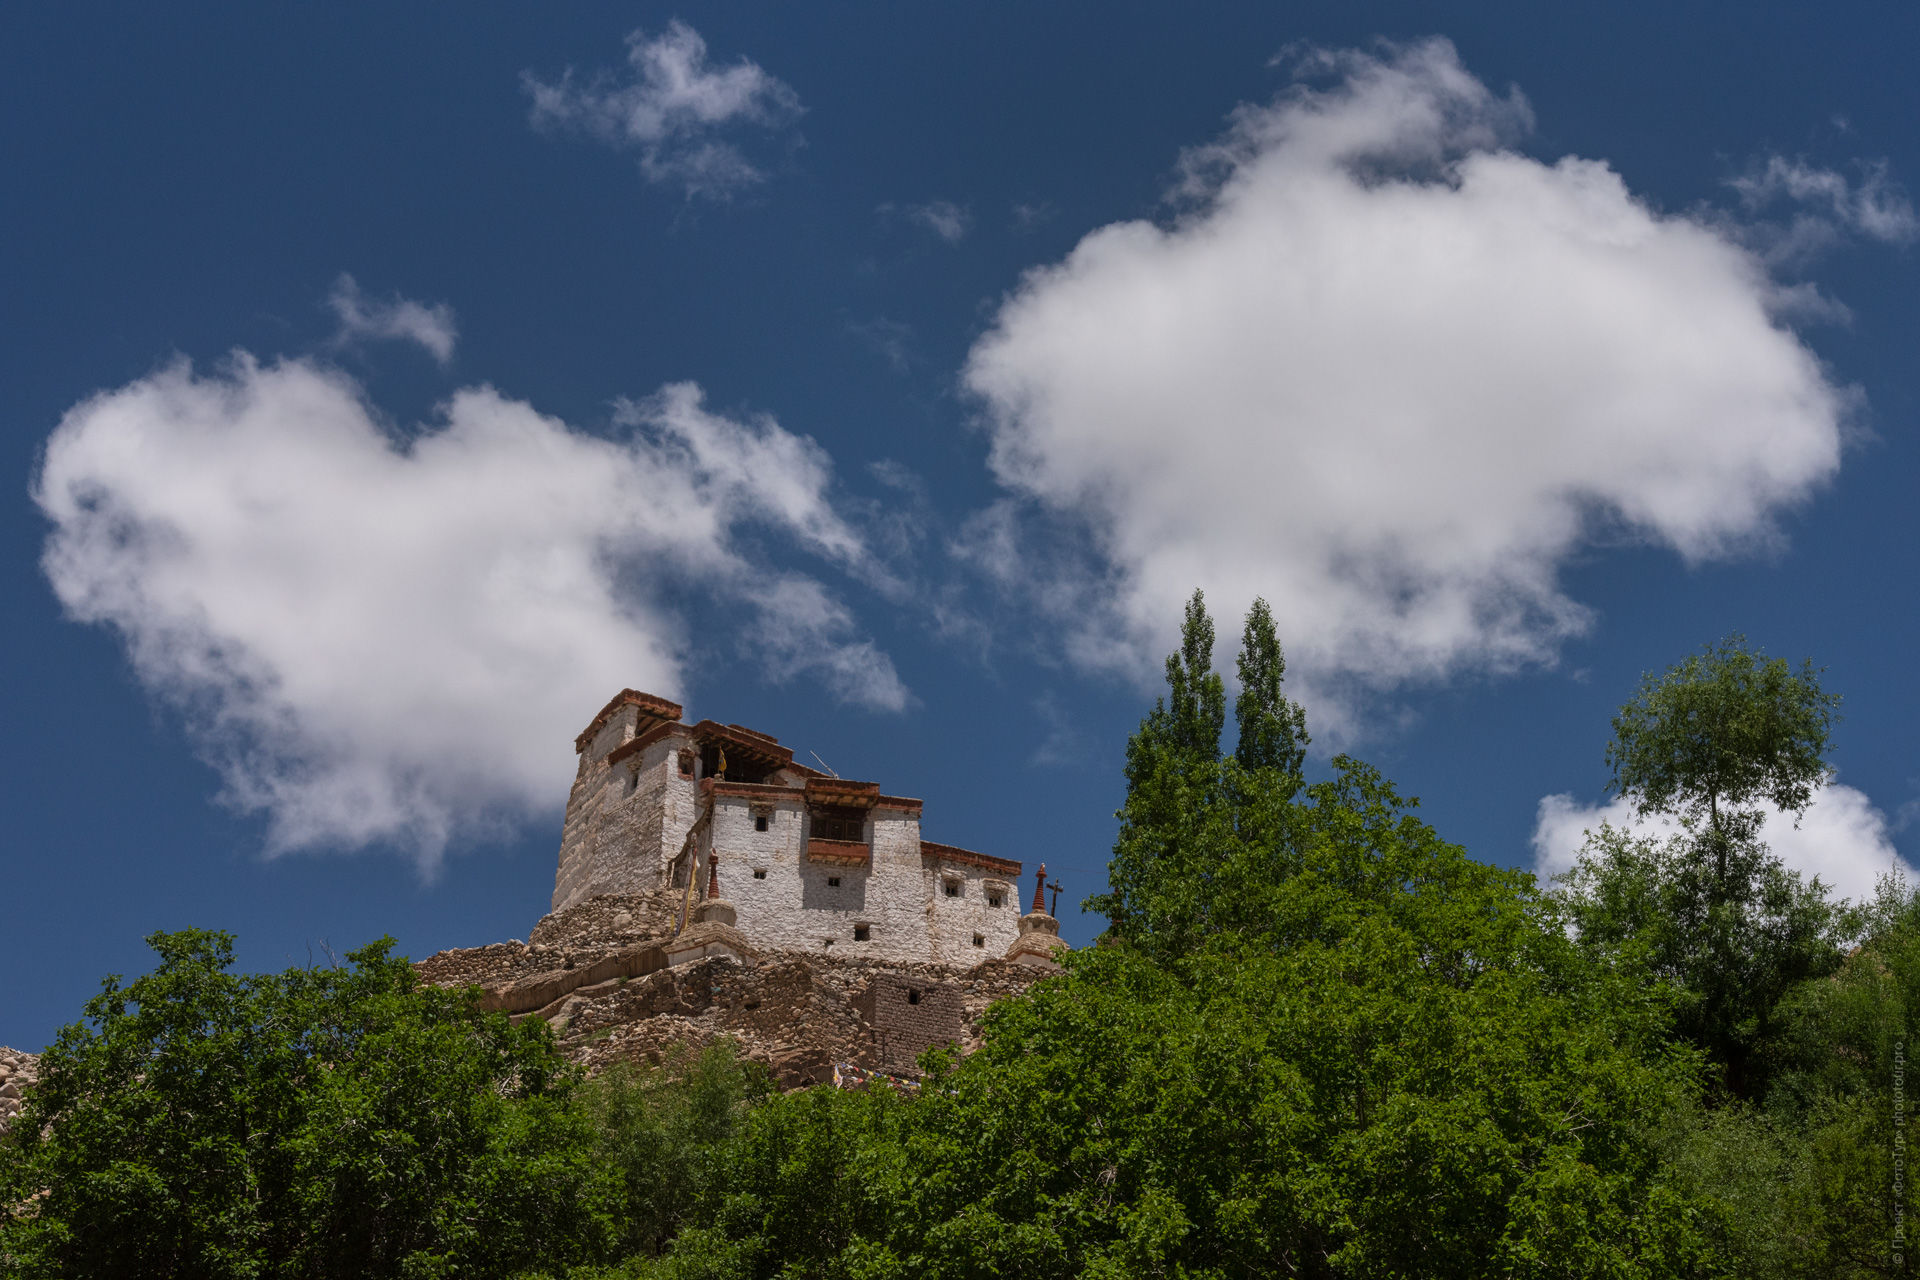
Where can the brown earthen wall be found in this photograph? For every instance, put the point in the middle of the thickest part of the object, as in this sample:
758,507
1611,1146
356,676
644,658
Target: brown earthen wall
907,1015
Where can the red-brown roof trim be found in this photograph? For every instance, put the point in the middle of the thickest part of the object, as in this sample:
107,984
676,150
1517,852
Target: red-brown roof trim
907,803
842,791
747,744
653,704
758,790
842,853
967,857
634,746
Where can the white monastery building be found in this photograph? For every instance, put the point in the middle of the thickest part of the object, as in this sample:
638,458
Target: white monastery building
716,823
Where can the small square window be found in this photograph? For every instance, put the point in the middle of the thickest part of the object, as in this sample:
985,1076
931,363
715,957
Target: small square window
979,940
862,932
995,900
759,873
760,822
833,882
953,888
913,997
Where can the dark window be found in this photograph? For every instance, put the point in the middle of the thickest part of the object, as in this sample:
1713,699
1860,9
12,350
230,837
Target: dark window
759,875
839,824
686,763
760,822
953,888
995,900
913,997
861,933
833,882
979,940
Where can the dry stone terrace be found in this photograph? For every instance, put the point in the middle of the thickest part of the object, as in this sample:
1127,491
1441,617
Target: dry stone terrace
18,1071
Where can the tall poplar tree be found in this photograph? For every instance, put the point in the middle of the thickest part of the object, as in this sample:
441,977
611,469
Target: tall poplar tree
1173,799
1273,729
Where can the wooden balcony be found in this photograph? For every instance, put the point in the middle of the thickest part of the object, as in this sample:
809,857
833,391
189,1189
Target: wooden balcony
840,853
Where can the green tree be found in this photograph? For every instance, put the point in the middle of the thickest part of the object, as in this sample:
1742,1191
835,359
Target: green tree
1712,910
1180,868
316,1123
1720,731
1196,698
1174,797
1273,729
1841,1082
661,1131
1732,932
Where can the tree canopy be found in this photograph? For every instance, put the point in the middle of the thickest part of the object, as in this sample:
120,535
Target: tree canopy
316,1123
1723,729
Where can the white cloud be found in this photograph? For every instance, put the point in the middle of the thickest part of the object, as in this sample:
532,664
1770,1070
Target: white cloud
672,106
1026,216
1831,205
944,218
1390,375
399,319
1842,837
378,640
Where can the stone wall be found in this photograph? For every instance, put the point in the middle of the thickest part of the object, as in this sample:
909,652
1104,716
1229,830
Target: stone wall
623,818
612,920
18,1071
906,1015
610,996
797,1014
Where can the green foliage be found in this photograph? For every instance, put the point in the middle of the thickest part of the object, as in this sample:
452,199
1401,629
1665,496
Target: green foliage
659,1132
316,1123
1324,1109
1798,1152
1841,1078
1731,934
1804,1184
1721,730
1713,911
1187,811
1196,698
1273,730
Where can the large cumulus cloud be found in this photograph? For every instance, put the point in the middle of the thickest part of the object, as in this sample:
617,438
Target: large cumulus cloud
378,640
1390,372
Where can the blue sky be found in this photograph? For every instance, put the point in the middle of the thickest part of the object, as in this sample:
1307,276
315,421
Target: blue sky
385,389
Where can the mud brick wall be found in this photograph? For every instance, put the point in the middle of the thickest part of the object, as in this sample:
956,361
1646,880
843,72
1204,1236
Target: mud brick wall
907,1015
